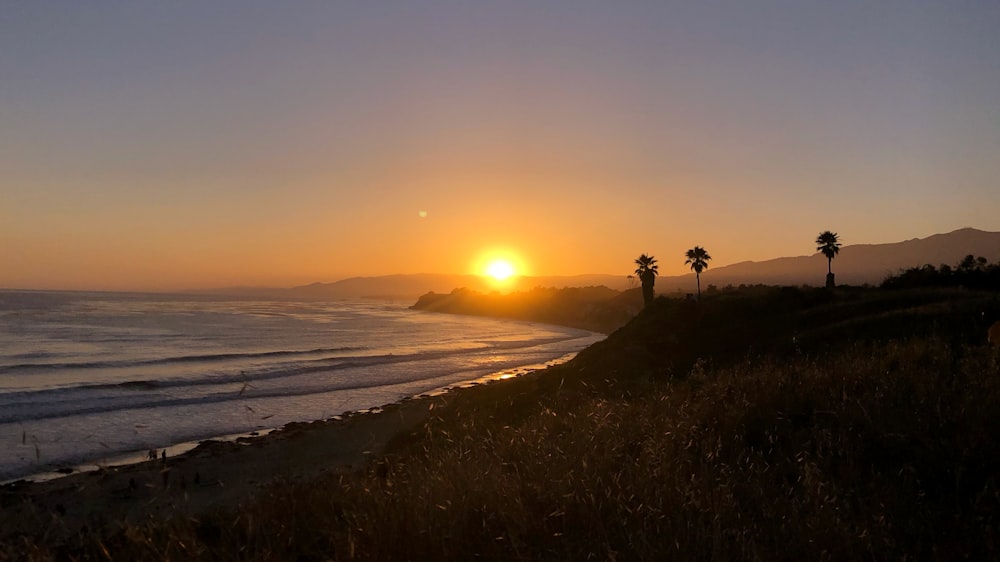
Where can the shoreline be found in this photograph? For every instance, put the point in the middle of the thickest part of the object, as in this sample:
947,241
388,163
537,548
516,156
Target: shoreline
128,458
212,474
219,471
75,447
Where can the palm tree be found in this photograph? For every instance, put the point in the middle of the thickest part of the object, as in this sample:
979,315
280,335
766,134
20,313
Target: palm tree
698,258
647,272
829,244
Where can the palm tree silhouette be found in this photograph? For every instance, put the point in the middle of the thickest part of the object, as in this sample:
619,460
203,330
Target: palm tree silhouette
647,272
698,258
829,244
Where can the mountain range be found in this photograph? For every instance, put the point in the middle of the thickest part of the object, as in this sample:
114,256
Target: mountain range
856,264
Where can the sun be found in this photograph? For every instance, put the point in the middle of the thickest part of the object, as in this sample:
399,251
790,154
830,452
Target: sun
500,269
500,266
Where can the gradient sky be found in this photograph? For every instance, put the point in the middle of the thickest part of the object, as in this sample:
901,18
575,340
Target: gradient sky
182,144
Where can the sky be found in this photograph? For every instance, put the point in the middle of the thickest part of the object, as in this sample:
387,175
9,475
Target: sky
189,144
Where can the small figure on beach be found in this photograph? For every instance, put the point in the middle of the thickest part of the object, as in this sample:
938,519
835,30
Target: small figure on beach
151,455
164,455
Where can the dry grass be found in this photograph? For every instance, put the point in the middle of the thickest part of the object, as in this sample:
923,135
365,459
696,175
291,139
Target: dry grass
884,452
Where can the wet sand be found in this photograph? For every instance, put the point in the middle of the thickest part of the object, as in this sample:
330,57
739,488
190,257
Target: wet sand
214,474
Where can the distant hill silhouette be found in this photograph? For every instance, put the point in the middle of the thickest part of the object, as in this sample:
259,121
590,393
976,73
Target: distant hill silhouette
855,265
411,286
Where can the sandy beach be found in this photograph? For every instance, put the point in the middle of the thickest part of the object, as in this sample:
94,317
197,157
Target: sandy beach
215,473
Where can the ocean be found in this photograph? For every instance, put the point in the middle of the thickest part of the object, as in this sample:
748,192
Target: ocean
88,379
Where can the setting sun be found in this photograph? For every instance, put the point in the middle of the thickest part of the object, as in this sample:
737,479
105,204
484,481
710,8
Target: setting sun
500,269
500,265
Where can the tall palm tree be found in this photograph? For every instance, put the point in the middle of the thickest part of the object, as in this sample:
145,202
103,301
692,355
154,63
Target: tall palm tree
647,272
828,243
698,258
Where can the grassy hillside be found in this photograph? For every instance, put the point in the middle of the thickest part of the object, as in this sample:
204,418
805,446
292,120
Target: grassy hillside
673,334
768,424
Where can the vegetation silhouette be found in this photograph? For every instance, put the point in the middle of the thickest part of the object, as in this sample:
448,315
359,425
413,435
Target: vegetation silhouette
698,259
829,244
971,273
646,270
970,263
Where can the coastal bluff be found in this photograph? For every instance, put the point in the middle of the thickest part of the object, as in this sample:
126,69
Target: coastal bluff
598,309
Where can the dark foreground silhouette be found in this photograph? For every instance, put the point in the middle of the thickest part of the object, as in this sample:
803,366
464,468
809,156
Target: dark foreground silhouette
774,424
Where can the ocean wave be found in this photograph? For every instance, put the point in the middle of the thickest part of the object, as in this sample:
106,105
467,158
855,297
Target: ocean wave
264,374
139,385
205,358
50,407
